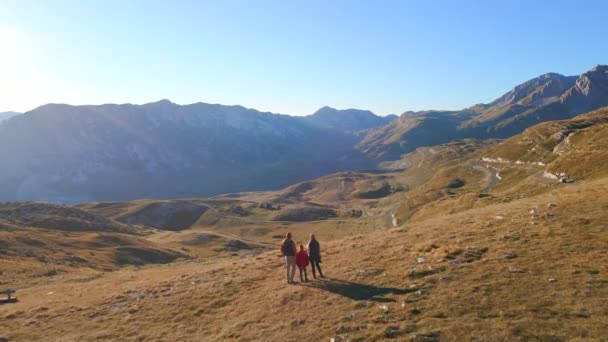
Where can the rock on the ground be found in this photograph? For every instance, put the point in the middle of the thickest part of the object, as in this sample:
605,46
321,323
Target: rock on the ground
391,332
342,329
428,337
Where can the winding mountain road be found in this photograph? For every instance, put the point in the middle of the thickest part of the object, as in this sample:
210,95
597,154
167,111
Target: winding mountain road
490,177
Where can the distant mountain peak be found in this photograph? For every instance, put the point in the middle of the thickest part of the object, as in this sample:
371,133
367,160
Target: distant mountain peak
326,109
163,102
600,68
347,119
551,75
550,96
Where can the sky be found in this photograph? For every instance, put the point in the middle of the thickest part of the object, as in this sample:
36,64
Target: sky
291,57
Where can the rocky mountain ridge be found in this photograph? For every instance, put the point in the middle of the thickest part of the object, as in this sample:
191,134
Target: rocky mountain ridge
66,153
70,154
548,97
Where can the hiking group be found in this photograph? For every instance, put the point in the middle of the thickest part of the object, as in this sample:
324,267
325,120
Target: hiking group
309,256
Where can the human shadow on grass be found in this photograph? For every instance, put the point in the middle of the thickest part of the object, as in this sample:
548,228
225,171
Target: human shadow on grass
357,291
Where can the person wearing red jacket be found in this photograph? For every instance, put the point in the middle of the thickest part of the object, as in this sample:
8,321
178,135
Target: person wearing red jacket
302,263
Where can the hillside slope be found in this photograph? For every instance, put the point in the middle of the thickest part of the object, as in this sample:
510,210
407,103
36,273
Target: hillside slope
575,148
40,242
478,274
545,98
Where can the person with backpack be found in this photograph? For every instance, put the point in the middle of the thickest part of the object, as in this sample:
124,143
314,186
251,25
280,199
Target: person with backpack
288,250
314,255
302,263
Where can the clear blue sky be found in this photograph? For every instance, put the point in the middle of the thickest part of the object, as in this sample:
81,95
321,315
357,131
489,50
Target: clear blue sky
290,56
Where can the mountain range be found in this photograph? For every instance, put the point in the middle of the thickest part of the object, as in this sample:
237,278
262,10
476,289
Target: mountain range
7,115
65,153
548,97
69,154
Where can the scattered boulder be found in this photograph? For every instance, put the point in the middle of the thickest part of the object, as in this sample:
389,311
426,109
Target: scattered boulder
40,258
407,302
363,304
349,317
473,254
512,269
424,271
366,272
428,337
468,255
356,213
391,332
342,329
510,256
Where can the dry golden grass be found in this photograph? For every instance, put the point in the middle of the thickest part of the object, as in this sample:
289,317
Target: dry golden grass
490,273
576,147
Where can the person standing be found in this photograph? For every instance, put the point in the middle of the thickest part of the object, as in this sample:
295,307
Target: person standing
314,255
302,262
288,249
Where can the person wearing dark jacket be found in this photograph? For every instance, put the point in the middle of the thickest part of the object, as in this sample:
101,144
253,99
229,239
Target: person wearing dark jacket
288,250
314,255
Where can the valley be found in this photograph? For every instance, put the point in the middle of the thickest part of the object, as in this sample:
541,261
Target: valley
72,154
473,239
